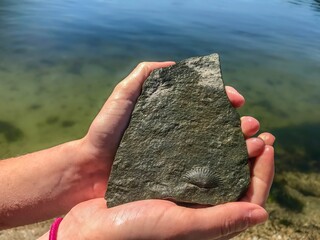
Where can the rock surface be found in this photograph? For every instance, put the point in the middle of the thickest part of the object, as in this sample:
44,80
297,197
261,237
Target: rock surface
184,142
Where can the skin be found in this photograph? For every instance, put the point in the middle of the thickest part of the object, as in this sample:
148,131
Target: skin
71,179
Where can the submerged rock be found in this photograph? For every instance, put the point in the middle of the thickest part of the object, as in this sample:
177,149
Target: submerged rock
184,142
11,132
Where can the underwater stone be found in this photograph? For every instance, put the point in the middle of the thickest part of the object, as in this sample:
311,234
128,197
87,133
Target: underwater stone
184,142
11,132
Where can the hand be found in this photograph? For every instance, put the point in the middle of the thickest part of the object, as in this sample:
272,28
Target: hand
159,219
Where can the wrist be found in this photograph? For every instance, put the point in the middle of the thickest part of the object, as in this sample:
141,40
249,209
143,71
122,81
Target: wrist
89,168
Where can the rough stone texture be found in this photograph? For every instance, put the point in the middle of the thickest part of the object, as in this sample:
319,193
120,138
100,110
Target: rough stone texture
184,142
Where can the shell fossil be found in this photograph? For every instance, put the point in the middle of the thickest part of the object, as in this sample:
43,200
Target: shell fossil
202,177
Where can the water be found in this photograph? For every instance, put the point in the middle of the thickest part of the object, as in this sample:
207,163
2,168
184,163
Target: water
59,60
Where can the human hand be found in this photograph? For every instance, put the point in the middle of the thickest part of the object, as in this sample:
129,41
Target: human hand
159,219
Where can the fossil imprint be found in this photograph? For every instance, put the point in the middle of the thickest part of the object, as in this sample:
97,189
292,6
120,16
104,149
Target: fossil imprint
202,177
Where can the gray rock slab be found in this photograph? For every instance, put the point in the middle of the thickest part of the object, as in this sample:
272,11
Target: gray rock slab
184,142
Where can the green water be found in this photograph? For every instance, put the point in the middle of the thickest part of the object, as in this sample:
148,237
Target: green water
59,61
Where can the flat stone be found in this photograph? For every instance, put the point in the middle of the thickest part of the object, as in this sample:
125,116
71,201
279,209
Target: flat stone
184,142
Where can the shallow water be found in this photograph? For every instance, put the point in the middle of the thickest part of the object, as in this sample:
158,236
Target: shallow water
59,60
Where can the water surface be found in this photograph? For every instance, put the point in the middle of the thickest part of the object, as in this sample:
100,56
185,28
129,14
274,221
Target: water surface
59,60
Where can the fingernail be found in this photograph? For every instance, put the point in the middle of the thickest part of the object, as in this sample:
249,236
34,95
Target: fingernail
233,91
263,137
246,118
257,216
268,138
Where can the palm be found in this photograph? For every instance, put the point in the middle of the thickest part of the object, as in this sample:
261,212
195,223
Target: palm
159,219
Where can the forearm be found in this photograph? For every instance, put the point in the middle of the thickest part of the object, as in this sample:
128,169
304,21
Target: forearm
43,184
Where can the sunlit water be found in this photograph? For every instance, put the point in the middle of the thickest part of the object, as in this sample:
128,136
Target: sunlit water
59,60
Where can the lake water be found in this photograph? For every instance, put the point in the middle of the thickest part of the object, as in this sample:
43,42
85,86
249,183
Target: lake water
60,59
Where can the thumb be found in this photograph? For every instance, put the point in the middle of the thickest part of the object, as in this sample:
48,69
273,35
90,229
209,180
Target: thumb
158,219
107,128
226,220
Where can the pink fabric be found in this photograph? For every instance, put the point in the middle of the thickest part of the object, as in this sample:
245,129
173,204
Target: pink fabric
54,229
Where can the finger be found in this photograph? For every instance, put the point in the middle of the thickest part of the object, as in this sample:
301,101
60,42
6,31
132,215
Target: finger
250,126
236,99
262,172
224,220
268,138
130,87
255,147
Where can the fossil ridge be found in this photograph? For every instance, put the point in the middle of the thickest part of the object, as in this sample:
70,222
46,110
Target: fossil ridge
184,141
